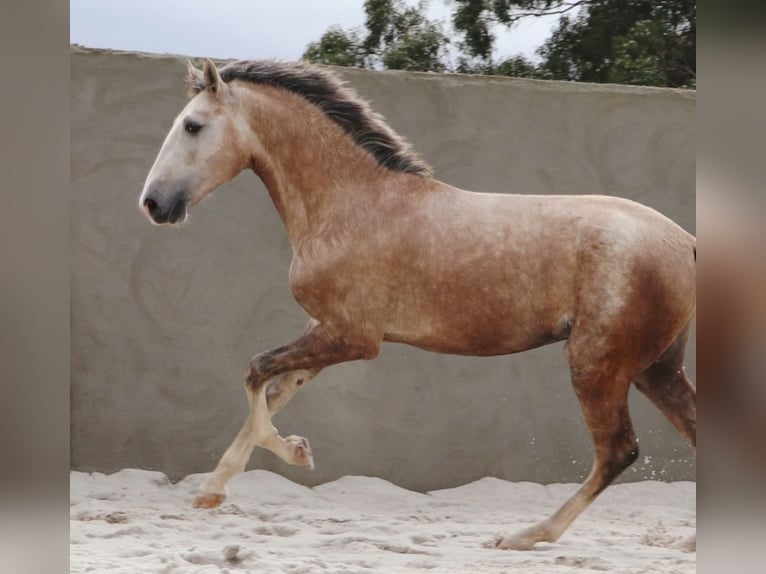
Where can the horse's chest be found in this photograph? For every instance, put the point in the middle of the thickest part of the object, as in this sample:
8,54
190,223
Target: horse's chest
330,287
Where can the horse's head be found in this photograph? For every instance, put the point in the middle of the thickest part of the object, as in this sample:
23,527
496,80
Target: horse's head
202,150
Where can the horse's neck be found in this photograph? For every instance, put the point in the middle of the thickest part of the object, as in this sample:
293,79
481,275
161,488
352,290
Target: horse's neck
306,162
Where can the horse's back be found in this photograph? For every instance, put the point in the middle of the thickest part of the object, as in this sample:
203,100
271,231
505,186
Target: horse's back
494,274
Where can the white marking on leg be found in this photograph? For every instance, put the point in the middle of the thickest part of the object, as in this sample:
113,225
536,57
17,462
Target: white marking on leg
293,450
551,529
257,430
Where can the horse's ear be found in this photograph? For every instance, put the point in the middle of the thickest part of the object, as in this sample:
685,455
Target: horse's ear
212,78
194,80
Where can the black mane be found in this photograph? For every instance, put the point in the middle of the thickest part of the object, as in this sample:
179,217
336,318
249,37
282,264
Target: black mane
341,104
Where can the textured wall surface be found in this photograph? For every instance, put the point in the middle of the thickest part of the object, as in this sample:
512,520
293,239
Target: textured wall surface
164,320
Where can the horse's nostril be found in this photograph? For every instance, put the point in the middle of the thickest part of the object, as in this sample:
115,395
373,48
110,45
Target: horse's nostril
150,204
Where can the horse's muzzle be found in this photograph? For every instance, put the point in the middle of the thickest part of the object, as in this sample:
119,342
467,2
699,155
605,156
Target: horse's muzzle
162,209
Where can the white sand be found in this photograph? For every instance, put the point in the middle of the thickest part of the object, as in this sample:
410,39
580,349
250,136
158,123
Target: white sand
137,521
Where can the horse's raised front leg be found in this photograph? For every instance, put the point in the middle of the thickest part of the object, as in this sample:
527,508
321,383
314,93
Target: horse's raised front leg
270,381
258,431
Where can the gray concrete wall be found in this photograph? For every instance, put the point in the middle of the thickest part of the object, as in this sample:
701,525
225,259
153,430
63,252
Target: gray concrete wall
165,320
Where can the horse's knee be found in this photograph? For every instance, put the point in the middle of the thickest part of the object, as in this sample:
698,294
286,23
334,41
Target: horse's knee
256,373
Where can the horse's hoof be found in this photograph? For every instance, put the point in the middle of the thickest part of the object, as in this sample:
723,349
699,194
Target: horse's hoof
300,451
514,543
689,545
210,500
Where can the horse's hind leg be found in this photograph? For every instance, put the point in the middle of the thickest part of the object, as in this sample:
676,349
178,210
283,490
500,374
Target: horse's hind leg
603,394
666,385
258,431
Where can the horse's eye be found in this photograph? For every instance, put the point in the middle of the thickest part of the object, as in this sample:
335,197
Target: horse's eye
192,127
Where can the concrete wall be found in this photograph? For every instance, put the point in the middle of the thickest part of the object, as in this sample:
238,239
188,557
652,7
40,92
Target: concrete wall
165,320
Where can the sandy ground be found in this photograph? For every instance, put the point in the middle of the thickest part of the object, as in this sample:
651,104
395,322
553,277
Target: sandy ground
136,521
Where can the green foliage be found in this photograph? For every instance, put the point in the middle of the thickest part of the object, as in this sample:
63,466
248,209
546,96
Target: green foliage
517,66
638,55
473,19
399,37
336,47
646,42
420,50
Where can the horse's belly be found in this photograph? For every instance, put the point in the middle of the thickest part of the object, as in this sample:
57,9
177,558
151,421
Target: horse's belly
476,334
451,347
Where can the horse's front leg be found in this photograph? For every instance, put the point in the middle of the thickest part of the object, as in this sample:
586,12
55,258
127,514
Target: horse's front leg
258,431
270,381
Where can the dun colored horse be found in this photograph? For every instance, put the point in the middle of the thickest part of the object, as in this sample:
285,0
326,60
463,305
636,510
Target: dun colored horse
383,252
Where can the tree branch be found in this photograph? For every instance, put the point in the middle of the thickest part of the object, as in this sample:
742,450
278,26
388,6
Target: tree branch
562,8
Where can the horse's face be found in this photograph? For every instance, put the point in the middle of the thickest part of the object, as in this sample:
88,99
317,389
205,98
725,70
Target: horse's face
201,151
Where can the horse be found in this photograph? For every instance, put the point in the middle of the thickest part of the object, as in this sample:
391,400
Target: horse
384,252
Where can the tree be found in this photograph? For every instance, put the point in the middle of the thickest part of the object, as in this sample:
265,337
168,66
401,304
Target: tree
399,37
336,47
647,42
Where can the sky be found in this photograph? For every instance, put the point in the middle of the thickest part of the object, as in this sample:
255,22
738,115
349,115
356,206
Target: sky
246,29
